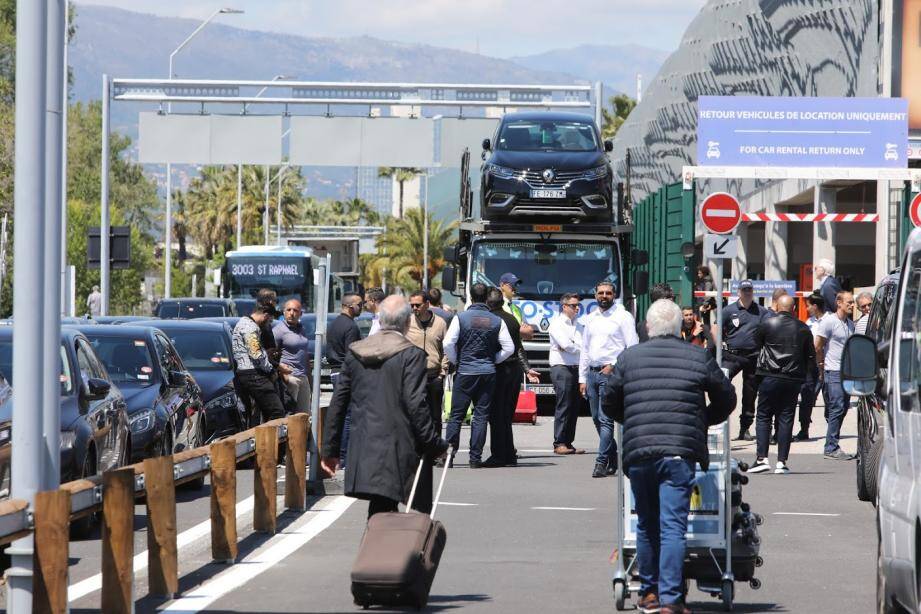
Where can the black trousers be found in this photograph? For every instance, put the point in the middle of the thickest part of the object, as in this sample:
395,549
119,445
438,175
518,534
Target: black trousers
264,394
568,399
744,362
434,390
776,401
502,410
807,396
378,504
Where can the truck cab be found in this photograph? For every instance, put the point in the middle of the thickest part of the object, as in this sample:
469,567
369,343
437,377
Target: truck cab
892,367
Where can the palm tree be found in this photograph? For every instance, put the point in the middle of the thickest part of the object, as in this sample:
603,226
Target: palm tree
399,250
401,175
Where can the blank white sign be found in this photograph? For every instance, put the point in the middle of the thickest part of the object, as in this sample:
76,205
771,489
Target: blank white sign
456,134
238,139
209,139
362,141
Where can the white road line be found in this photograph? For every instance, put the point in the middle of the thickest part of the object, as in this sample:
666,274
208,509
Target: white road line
539,451
801,514
199,531
566,509
276,549
458,504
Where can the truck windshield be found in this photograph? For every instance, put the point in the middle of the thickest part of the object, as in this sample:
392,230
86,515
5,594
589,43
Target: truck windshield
547,269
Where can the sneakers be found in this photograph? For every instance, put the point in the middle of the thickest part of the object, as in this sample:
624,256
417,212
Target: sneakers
744,435
759,466
781,468
649,604
600,471
839,454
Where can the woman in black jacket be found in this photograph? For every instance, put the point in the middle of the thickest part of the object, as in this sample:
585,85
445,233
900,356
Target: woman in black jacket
657,392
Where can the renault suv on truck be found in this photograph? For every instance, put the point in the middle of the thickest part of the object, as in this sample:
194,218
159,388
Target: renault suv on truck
544,165
892,368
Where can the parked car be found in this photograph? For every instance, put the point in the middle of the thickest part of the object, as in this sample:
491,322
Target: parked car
165,408
95,436
191,308
118,319
552,165
871,410
205,350
898,501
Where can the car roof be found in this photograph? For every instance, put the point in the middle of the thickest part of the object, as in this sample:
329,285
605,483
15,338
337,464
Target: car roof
194,324
115,330
196,299
68,333
547,115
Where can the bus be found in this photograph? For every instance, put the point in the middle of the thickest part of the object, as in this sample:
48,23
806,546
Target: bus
289,271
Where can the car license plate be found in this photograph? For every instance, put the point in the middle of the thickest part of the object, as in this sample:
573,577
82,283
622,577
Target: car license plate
548,193
541,389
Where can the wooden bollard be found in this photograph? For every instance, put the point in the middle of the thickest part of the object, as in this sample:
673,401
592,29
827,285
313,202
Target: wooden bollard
224,500
118,541
162,556
52,528
296,462
265,479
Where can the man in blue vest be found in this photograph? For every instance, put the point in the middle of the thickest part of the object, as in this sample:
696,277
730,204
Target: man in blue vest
475,342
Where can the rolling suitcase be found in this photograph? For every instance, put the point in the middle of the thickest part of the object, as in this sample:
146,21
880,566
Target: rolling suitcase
399,555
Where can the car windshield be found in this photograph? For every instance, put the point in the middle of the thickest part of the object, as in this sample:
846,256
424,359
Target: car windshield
190,311
543,135
546,269
127,359
202,350
6,366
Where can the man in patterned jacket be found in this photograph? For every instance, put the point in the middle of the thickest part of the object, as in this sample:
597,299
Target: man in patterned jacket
255,371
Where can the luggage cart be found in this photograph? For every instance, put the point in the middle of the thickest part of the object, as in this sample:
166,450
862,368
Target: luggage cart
708,559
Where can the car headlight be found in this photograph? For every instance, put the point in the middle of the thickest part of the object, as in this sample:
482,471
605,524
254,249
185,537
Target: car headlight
141,421
595,173
68,439
502,172
228,400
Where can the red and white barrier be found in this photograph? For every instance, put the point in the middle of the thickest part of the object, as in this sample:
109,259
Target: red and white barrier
810,217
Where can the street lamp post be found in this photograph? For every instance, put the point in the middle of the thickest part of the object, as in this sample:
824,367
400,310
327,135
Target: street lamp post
168,235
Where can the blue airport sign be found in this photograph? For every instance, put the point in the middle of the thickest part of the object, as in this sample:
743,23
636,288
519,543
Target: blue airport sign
802,132
766,287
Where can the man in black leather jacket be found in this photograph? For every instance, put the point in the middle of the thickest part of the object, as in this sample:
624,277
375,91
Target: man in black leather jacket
786,349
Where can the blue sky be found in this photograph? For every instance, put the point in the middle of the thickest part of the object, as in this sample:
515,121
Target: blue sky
500,27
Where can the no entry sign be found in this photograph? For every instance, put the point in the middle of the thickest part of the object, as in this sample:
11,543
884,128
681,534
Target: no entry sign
913,210
720,213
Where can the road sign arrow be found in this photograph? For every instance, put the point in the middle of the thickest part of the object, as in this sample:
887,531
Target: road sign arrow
718,248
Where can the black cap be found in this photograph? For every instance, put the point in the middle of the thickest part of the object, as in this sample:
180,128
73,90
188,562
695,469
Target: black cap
746,284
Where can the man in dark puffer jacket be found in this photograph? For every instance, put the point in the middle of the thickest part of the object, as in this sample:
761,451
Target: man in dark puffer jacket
657,392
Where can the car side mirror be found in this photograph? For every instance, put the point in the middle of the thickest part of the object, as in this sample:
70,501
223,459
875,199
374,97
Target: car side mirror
640,282
859,366
609,146
449,278
487,146
97,388
450,253
177,378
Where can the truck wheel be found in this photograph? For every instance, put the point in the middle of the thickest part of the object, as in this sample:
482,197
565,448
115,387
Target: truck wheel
871,458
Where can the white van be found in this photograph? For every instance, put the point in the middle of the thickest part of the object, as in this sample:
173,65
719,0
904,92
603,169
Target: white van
899,498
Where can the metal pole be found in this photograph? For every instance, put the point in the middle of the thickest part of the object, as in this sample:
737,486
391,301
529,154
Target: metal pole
3,252
727,463
104,205
599,103
28,332
168,235
194,290
54,144
425,235
281,173
64,103
319,336
265,213
71,289
239,205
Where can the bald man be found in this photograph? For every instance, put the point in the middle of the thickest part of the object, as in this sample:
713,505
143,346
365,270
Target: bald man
786,349
296,349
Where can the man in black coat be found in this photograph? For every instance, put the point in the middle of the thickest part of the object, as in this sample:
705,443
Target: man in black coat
657,392
786,351
383,377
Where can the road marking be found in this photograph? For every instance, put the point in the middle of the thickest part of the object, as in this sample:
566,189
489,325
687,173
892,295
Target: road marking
566,509
801,514
278,548
458,504
199,531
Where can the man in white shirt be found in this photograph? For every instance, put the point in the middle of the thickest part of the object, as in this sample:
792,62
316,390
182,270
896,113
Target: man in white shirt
373,298
607,332
565,346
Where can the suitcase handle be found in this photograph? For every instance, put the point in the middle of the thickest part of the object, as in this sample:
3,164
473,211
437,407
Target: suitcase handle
441,483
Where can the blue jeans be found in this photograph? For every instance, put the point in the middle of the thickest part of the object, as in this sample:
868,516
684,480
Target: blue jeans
476,389
836,403
594,390
662,491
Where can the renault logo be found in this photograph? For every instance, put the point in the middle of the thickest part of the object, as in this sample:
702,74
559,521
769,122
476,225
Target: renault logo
548,175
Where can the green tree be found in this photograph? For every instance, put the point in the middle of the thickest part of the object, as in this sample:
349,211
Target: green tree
613,119
399,256
401,176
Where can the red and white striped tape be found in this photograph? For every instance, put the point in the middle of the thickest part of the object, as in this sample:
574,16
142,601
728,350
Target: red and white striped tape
810,217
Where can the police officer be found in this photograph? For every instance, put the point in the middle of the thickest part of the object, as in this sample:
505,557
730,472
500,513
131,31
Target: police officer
476,341
740,323
256,373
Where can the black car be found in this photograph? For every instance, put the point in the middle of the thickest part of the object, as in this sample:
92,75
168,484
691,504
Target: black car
871,410
550,165
95,436
117,319
206,352
165,408
191,308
